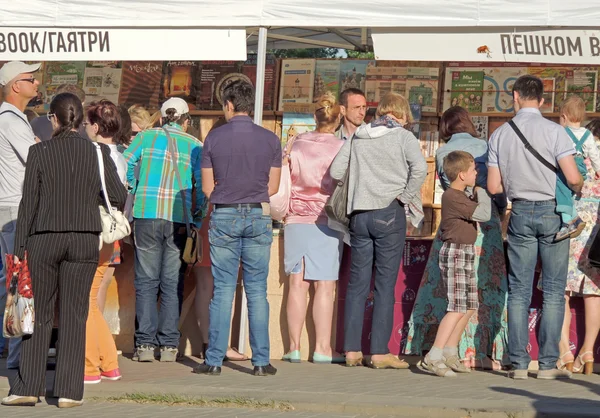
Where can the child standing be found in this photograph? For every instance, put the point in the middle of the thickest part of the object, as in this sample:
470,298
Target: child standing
572,113
459,232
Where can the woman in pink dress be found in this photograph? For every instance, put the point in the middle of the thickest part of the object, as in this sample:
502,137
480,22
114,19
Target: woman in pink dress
312,250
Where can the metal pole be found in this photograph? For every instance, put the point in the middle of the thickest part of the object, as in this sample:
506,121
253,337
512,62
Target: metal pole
260,76
259,95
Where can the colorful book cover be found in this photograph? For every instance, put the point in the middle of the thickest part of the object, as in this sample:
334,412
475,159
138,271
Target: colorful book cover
467,88
549,89
559,75
102,80
215,76
181,79
383,80
297,81
294,124
141,83
327,78
249,70
422,87
353,74
583,84
59,72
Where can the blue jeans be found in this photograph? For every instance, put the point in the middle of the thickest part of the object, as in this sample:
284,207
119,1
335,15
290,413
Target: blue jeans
377,237
531,228
235,234
159,269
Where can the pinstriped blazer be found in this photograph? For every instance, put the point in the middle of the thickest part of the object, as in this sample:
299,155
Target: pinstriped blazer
62,188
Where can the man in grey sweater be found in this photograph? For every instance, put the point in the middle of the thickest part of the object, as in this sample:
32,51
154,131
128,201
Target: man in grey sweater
387,171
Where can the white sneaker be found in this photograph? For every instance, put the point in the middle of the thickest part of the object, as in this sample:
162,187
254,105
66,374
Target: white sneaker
69,403
16,400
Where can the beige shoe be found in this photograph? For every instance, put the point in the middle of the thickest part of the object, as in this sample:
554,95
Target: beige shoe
437,367
518,374
69,403
16,400
390,361
553,374
456,365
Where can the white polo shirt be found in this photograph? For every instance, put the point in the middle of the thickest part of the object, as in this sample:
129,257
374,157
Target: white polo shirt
16,136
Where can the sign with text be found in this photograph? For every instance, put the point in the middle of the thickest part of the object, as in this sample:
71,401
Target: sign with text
558,46
68,44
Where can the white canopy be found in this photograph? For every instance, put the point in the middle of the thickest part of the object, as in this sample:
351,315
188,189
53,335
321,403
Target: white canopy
298,13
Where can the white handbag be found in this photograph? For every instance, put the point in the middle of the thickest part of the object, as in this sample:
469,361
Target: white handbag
115,225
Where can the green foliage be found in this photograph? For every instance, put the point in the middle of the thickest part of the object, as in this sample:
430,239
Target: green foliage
360,55
305,53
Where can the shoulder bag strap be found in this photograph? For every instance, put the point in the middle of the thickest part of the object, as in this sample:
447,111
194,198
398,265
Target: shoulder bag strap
178,176
529,148
102,179
20,117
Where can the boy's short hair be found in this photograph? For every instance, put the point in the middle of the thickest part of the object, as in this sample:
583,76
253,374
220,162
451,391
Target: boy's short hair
574,109
457,162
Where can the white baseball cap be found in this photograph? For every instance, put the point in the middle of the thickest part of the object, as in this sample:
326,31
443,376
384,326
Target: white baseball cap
181,107
11,70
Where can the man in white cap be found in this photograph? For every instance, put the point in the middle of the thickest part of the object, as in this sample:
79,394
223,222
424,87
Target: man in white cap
16,136
169,166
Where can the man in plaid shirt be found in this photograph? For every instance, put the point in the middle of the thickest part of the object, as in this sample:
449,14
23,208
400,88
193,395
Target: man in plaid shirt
159,226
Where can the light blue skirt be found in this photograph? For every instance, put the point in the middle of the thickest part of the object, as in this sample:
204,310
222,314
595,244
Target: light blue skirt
318,245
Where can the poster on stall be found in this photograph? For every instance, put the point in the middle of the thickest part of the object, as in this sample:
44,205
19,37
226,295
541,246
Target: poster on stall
422,87
583,84
181,79
481,126
467,88
140,83
249,70
294,124
327,78
102,80
353,74
297,81
497,88
58,72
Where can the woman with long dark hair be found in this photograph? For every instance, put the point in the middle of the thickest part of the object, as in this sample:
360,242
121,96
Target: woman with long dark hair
484,339
58,227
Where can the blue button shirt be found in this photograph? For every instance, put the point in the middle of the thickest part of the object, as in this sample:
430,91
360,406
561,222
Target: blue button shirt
478,148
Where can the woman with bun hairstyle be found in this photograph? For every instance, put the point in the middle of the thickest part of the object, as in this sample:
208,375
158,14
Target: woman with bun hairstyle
58,227
103,125
312,250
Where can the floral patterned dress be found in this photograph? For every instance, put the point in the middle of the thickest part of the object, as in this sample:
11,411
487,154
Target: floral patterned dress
582,278
486,332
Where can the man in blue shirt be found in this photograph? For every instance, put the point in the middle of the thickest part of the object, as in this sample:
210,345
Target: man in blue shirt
241,168
531,187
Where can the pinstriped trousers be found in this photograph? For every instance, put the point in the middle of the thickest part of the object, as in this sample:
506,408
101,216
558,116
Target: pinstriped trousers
63,265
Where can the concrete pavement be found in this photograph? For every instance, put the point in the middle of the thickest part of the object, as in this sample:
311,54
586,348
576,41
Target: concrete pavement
336,391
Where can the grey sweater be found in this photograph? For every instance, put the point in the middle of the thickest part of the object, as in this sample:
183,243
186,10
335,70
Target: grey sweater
386,164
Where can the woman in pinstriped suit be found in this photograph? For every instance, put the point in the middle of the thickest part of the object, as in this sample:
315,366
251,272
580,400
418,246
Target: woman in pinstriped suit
59,225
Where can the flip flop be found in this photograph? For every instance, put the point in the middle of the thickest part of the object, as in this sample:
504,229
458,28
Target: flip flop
242,358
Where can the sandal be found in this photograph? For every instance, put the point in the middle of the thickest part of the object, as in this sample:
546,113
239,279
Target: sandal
456,365
242,357
565,365
437,367
586,366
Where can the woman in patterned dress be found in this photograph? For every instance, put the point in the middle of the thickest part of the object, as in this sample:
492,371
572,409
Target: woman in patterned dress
583,280
484,340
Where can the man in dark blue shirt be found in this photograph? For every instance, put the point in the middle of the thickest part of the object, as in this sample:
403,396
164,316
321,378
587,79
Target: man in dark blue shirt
241,168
